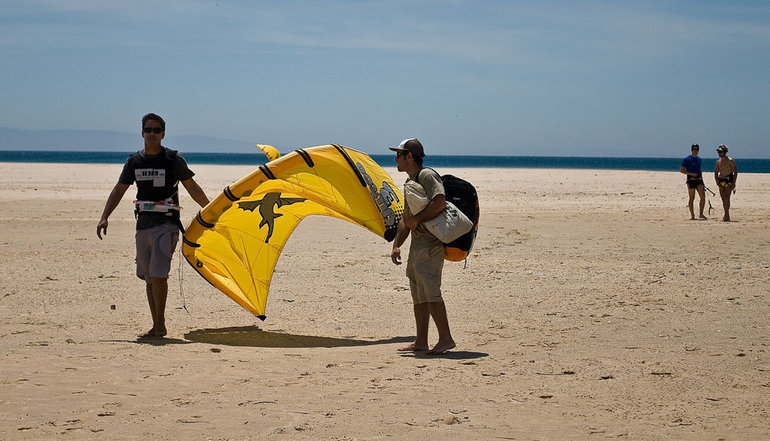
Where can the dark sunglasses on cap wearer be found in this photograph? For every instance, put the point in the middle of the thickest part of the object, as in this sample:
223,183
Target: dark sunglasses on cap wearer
152,129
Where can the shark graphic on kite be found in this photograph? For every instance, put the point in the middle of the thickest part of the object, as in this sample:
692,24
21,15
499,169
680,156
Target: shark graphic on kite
267,206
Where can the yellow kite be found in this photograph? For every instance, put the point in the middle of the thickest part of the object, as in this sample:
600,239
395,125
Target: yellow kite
235,241
269,151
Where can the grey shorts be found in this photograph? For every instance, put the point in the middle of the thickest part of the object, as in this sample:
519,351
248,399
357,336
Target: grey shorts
424,269
154,249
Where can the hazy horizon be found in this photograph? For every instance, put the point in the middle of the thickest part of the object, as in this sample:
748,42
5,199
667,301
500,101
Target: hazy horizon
95,141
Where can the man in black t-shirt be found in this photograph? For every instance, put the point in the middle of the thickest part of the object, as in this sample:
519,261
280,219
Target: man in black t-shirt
156,171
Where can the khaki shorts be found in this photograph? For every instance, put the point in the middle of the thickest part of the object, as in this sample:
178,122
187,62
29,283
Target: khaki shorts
154,248
424,269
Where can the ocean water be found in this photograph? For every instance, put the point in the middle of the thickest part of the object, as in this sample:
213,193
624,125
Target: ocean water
437,161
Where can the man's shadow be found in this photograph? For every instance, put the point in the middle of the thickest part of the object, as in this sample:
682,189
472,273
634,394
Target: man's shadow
154,341
450,355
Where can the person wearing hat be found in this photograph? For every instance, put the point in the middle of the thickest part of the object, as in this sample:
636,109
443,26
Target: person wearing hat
426,253
691,166
725,174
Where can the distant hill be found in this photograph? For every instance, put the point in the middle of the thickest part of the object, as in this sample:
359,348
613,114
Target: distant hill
103,140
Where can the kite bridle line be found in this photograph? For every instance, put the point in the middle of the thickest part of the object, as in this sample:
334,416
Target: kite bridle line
181,276
708,198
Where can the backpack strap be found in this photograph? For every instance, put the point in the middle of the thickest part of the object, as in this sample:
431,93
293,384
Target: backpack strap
429,168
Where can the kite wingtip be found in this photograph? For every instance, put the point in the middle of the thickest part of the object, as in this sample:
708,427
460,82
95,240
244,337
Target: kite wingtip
262,317
269,151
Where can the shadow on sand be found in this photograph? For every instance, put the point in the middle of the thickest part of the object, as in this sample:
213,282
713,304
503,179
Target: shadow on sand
450,355
160,341
255,337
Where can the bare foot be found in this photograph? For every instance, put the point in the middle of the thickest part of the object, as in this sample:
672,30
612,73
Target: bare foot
703,217
152,333
412,348
442,348
148,334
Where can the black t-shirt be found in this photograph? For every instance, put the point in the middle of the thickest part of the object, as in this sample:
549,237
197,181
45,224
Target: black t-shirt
156,178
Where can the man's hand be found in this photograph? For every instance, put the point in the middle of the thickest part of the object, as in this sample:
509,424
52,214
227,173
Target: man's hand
395,255
410,221
112,201
101,226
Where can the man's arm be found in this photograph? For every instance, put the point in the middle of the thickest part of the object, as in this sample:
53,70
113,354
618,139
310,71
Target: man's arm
196,192
735,172
402,232
433,209
112,202
684,170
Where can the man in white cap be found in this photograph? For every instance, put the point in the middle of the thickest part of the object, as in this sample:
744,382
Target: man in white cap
725,174
426,253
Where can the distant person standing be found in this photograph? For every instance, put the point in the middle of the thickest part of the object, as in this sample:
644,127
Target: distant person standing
725,174
691,166
156,170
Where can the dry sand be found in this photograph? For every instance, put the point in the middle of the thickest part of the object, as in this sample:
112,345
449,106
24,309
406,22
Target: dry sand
591,308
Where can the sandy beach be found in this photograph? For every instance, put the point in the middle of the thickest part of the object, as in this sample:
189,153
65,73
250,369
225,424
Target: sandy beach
591,308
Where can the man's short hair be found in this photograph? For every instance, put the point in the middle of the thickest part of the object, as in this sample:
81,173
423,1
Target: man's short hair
154,117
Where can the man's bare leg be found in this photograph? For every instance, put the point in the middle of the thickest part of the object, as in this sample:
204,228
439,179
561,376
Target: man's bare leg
421,319
702,194
725,192
151,302
690,202
157,292
445,341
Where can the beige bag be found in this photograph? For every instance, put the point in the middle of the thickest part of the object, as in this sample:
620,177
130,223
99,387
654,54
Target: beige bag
447,226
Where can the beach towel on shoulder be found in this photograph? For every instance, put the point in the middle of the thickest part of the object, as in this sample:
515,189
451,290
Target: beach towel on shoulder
447,226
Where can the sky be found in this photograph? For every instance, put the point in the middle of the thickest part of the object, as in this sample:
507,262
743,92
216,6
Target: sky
491,77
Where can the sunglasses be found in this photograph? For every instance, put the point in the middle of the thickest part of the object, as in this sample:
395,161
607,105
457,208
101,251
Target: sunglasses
152,129
401,153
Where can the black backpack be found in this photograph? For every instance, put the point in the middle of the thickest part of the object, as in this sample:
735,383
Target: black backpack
463,195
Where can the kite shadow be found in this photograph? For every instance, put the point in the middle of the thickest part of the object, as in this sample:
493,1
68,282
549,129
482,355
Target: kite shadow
254,337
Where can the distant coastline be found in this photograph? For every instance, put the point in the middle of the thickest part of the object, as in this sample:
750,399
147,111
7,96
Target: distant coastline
465,161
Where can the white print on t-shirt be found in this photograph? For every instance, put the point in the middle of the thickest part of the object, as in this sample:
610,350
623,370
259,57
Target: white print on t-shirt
156,175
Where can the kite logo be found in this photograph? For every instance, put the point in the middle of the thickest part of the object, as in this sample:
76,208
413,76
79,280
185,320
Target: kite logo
384,198
267,206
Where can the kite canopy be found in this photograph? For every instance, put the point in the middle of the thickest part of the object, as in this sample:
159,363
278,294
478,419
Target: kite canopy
235,241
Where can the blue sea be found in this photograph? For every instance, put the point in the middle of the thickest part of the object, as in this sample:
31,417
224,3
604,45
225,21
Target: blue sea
437,161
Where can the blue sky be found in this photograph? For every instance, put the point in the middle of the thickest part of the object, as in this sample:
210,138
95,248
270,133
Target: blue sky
576,78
